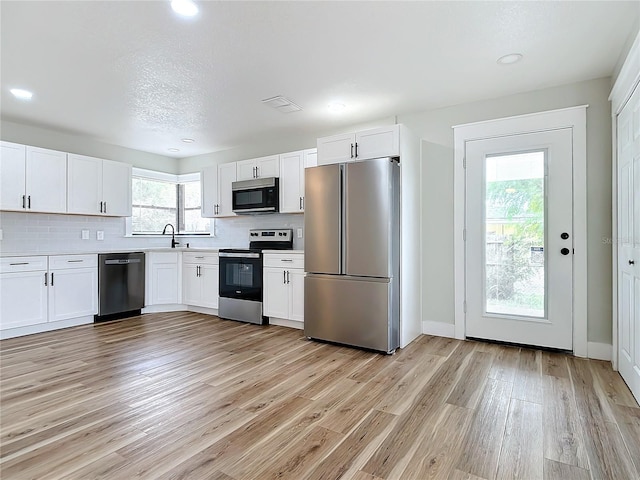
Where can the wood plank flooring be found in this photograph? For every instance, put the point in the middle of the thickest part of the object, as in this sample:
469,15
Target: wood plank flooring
190,396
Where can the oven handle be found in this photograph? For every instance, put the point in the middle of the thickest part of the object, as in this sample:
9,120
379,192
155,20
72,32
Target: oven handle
239,255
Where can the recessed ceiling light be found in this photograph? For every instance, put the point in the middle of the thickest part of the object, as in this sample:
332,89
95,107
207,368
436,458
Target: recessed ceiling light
174,149
21,94
188,140
186,8
510,59
337,107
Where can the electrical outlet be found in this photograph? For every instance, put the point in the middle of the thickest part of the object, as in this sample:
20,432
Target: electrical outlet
100,235
85,235
299,233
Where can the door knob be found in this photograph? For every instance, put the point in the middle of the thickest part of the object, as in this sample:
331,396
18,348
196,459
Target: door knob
565,251
564,235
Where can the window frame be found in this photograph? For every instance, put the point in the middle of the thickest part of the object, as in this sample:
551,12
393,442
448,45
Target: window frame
176,180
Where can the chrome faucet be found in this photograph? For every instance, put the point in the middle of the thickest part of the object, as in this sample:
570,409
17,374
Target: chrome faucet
173,234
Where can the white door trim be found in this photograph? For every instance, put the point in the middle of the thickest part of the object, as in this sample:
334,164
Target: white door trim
574,118
625,84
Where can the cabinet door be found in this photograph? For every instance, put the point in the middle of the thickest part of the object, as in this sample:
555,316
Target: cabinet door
378,142
226,176
291,178
336,149
84,181
296,297
209,280
23,299
73,293
209,191
268,166
12,175
116,188
246,169
164,283
190,285
46,180
276,293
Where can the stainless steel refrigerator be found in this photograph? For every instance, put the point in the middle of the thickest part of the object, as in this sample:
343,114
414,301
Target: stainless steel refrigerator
352,254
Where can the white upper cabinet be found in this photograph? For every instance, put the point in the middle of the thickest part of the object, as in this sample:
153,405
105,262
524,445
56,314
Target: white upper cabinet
292,182
98,187
258,167
374,143
292,167
216,190
13,166
33,179
116,188
336,149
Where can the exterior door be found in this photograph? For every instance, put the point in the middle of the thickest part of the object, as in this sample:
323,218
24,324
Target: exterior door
629,243
519,239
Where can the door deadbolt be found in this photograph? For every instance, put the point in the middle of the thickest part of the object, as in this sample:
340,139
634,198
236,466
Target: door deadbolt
564,235
565,251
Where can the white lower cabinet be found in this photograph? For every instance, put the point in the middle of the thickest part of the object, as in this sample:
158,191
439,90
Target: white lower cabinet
38,290
200,279
283,279
162,285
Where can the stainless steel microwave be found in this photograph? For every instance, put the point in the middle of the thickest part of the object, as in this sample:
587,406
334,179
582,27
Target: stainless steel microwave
260,195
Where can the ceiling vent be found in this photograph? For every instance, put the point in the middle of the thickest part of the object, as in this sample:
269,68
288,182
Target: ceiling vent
282,104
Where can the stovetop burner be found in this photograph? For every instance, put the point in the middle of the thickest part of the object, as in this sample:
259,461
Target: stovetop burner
259,240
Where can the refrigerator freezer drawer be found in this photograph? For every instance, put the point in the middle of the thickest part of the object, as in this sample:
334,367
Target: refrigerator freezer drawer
361,312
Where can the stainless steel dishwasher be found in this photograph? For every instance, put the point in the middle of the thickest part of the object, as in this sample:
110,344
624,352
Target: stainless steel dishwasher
120,285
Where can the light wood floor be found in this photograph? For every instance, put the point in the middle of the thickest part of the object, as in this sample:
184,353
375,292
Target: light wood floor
189,396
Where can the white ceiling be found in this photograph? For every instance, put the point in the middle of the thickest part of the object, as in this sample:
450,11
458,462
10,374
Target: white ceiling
132,73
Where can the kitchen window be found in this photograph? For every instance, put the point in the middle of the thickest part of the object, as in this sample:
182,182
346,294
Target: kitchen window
159,198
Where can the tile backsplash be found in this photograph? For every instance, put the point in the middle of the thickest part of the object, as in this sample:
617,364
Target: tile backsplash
37,232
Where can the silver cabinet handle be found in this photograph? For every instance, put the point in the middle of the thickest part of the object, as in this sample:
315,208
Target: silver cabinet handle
302,203
52,279
352,150
19,263
29,203
288,276
75,261
101,206
198,271
105,207
356,149
45,280
198,257
24,201
286,259
284,276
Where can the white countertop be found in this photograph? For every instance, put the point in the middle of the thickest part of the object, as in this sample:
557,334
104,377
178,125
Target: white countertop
95,252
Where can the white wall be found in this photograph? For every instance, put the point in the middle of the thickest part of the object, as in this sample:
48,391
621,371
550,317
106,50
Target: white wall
437,188
32,233
66,142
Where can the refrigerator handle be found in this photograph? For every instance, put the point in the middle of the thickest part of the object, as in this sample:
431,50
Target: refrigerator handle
343,219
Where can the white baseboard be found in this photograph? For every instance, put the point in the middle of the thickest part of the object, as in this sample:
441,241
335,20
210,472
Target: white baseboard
439,329
599,351
169,307
45,327
283,322
205,310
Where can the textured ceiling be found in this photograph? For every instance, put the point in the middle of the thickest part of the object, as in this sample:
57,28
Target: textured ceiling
132,73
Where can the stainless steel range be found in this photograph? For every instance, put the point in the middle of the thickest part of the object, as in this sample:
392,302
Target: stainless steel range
241,275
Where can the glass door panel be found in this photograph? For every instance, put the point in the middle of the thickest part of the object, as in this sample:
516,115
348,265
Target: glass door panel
514,227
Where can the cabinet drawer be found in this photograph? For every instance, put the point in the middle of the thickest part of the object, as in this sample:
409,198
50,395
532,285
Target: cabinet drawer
163,257
22,264
200,258
59,262
289,260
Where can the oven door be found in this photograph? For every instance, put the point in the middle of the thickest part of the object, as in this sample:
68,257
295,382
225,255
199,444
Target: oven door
241,276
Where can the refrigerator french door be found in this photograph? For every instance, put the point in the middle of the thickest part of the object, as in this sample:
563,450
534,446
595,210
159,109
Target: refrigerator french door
352,220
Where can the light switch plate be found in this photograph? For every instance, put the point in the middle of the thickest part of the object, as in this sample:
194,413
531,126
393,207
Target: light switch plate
100,235
85,234
299,233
